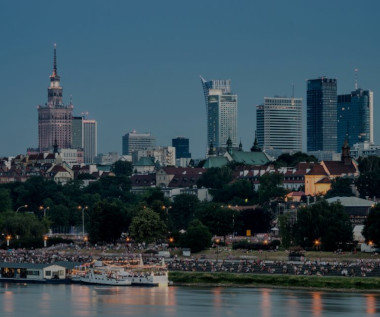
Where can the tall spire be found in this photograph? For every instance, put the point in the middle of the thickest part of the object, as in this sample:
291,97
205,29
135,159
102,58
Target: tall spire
55,73
255,147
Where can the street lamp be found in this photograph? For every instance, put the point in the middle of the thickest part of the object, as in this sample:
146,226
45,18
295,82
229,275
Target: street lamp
23,206
8,238
317,243
44,209
45,241
80,208
217,241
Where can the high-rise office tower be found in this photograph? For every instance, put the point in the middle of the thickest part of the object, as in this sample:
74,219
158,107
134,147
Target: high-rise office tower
279,123
181,145
54,118
355,117
90,141
321,114
221,107
77,133
137,141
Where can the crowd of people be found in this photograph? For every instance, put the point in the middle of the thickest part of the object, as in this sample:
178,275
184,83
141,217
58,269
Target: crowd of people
120,254
357,268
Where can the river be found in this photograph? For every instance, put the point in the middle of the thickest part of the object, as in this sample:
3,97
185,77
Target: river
17,300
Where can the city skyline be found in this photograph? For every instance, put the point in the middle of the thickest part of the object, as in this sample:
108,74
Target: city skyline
138,68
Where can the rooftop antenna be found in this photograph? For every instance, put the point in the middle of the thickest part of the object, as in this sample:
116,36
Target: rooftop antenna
356,78
55,59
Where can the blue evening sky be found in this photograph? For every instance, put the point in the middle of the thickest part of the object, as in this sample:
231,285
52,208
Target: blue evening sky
135,65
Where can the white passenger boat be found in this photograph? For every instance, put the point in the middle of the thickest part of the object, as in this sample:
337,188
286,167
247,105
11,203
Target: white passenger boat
148,275
106,275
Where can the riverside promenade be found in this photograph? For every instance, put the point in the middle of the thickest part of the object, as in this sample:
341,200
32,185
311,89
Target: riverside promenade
354,267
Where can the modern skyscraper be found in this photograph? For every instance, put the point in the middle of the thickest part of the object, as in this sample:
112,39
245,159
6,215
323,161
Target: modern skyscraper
221,107
321,114
355,117
137,141
77,131
181,145
54,118
90,141
279,123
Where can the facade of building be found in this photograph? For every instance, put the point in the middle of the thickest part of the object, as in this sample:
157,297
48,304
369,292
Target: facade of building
355,117
181,145
364,149
279,123
54,118
77,133
321,114
163,155
221,118
90,140
221,108
134,141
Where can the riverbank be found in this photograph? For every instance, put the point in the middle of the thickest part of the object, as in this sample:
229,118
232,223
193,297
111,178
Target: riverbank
286,281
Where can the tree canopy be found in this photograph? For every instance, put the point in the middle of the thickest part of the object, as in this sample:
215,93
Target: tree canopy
326,223
340,187
371,231
147,227
197,237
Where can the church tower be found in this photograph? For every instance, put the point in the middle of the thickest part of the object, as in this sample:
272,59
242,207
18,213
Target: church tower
54,118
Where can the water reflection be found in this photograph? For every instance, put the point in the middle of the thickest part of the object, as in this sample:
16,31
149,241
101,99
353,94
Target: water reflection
371,304
265,303
317,307
85,301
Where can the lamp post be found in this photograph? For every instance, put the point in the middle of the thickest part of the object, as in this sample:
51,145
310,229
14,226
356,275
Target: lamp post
8,238
45,241
317,243
82,208
23,206
217,241
44,209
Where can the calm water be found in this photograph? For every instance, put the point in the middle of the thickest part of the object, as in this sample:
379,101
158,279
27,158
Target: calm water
77,300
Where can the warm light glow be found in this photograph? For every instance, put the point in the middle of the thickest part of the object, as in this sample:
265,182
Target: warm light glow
45,238
171,239
85,239
8,237
217,241
370,243
265,242
316,242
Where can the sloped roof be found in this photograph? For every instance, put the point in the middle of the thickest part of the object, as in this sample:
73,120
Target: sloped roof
250,158
145,161
351,201
143,180
339,168
324,180
317,169
215,161
183,170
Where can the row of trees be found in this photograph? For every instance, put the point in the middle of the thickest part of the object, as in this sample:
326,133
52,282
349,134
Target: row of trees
113,209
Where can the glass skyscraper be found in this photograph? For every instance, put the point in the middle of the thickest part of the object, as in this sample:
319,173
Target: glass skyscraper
90,140
355,117
322,114
279,123
181,145
221,106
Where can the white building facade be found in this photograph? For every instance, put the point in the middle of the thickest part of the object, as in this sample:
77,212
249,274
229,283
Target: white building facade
279,123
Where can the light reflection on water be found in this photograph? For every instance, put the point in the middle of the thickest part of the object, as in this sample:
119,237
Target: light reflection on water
81,300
